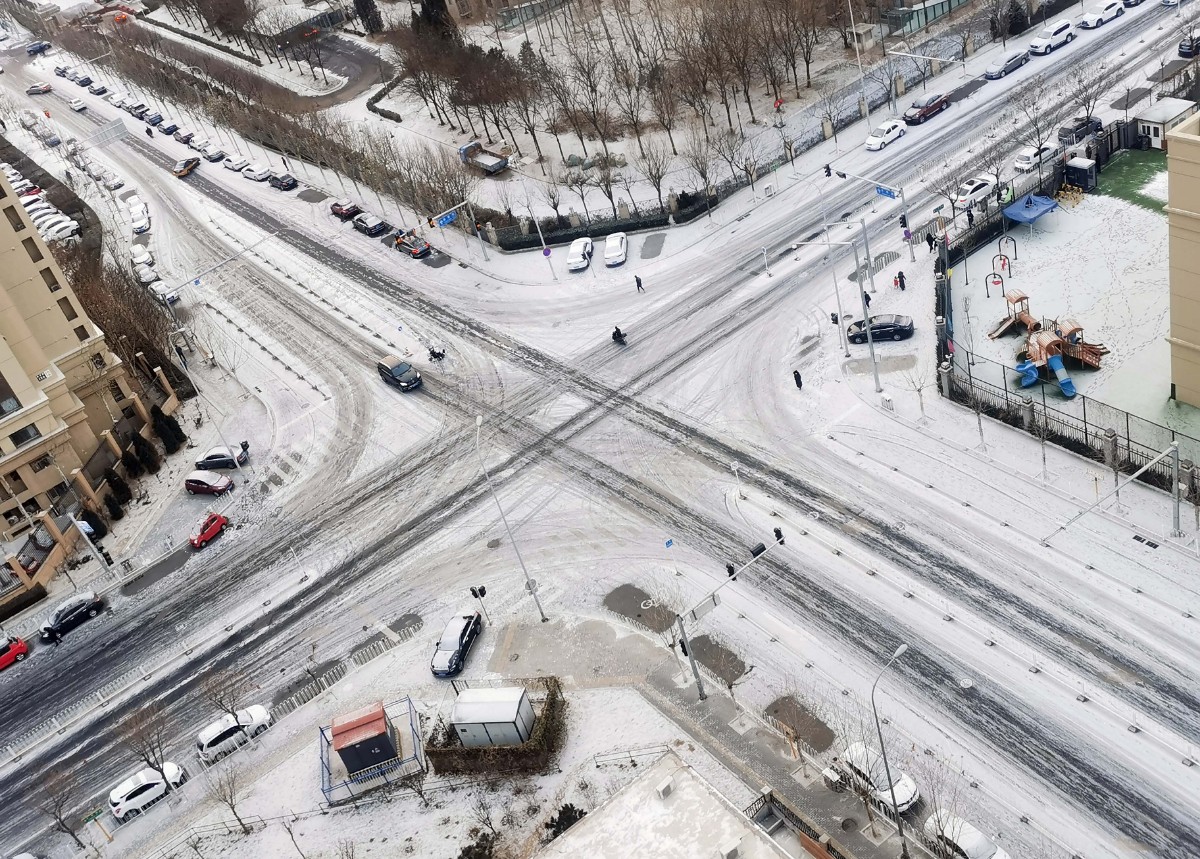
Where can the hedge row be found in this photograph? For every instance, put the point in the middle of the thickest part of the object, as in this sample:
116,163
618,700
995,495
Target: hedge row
198,38
380,96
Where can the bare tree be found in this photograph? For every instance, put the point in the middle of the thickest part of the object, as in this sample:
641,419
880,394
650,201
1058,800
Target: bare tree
481,813
728,147
552,193
944,180
698,156
225,689
999,18
751,156
57,795
226,787
346,849
145,733
829,109
1034,114
917,380
287,826
655,162
1086,85
579,182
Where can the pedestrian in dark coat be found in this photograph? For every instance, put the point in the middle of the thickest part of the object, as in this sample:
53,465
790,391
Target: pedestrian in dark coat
900,281
867,299
638,281
929,241
799,381
970,217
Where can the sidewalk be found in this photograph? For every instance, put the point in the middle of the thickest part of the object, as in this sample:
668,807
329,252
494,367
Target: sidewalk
601,654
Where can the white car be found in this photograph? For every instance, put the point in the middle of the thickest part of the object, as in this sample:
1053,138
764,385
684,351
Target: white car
199,143
112,182
227,734
141,225
891,130
145,274
257,172
1054,36
1031,156
1110,10
164,293
235,163
579,256
213,154
142,789
973,190
77,104
64,230
616,246
953,836
140,255
117,98
866,767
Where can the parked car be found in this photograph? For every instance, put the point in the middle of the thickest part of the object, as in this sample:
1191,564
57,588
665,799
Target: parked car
207,483
973,190
892,129
397,373
183,135
153,118
167,126
236,163
137,208
886,326
146,275
1055,35
84,81
71,613
164,294
1006,64
925,107
257,172
142,789
616,247
1109,11
185,167
866,767
62,71
116,99
227,734
199,143
52,140
450,652
1189,48
97,89
345,209
1170,4
39,88
579,256
140,255
413,245
37,48
369,225
213,154
72,74
283,181
1078,129
1031,156
139,111
62,231
222,457
1129,4
12,649
112,182
77,104
213,526
950,835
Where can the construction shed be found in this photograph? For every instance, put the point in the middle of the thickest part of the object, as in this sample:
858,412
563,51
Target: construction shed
492,717
364,738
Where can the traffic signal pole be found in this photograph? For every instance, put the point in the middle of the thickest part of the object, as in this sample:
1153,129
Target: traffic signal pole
884,191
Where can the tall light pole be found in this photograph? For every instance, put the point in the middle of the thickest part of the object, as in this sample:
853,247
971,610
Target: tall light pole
882,748
862,77
530,584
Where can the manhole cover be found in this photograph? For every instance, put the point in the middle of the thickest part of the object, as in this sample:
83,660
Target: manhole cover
493,543
849,824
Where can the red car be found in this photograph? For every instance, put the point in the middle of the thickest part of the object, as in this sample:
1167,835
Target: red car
925,107
207,483
345,209
213,527
12,650
28,192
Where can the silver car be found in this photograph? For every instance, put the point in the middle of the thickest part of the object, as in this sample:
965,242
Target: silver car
1010,62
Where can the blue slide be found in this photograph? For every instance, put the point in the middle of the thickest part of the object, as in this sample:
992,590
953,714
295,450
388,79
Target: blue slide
1055,363
1029,373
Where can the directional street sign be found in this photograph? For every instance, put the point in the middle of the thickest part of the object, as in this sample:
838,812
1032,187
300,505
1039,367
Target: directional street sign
447,219
885,191
670,543
95,815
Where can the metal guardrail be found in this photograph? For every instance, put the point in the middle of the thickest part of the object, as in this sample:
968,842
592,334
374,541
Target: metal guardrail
629,755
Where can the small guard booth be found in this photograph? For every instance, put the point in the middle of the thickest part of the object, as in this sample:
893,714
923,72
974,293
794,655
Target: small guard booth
492,717
364,738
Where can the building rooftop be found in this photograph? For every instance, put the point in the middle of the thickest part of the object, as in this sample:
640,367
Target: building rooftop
487,705
1166,109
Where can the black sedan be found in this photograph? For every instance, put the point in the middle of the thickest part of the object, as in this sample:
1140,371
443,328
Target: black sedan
412,245
450,654
83,606
886,326
926,107
397,373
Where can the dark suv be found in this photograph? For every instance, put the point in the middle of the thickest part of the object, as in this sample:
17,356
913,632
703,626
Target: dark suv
1078,129
1189,48
398,373
450,652
283,181
886,326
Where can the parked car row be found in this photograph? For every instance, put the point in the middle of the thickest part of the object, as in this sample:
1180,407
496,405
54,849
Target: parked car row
52,224
616,249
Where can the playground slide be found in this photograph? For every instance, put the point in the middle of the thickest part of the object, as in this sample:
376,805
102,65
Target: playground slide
1029,373
1002,327
1055,363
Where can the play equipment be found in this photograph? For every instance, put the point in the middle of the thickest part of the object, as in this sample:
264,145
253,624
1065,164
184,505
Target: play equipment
1018,314
1048,347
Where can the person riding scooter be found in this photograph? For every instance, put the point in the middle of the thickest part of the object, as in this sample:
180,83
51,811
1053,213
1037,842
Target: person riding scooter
618,337
150,132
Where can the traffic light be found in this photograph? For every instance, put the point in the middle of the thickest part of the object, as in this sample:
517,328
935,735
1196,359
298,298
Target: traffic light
683,647
779,536
431,225
903,222
730,571
479,592
828,171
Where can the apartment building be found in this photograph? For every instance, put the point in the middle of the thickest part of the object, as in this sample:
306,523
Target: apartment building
60,386
1183,228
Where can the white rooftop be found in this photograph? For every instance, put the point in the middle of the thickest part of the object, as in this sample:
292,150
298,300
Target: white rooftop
693,821
475,706
1166,109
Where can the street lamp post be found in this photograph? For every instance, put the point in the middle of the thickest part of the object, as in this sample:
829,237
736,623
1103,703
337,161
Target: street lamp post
530,585
882,748
862,77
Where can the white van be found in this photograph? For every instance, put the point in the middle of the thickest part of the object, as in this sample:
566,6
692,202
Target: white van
1054,36
257,172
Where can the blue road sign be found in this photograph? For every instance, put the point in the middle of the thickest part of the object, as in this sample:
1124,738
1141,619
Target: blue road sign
885,191
447,219
670,543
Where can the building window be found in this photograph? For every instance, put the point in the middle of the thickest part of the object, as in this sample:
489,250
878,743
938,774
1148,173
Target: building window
8,400
98,361
64,304
40,464
51,280
31,248
17,222
114,388
25,435
82,333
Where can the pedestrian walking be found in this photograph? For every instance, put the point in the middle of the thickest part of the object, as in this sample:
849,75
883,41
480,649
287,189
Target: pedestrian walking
57,636
638,281
900,281
867,299
970,218
799,381
929,241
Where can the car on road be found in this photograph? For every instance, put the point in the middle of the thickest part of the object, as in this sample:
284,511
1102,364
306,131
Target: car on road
146,275
39,88
1055,35
1007,64
415,246
52,140
70,614
77,104
866,767
892,129
1170,4
228,733
1189,48
153,118
141,225
213,154
925,107
450,652
257,173
213,526
616,247
283,181
185,167
222,457
950,835
140,255
579,256
12,649
142,789
97,89
183,135
369,225
886,326
207,483
973,190
84,81
37,48
164,293
235,162
1078,129
398,373
1031,157
345,209
1129,4
1108,12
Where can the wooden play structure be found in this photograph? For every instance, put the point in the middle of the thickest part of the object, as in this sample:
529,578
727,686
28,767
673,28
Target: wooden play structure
1048,347
1018,314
